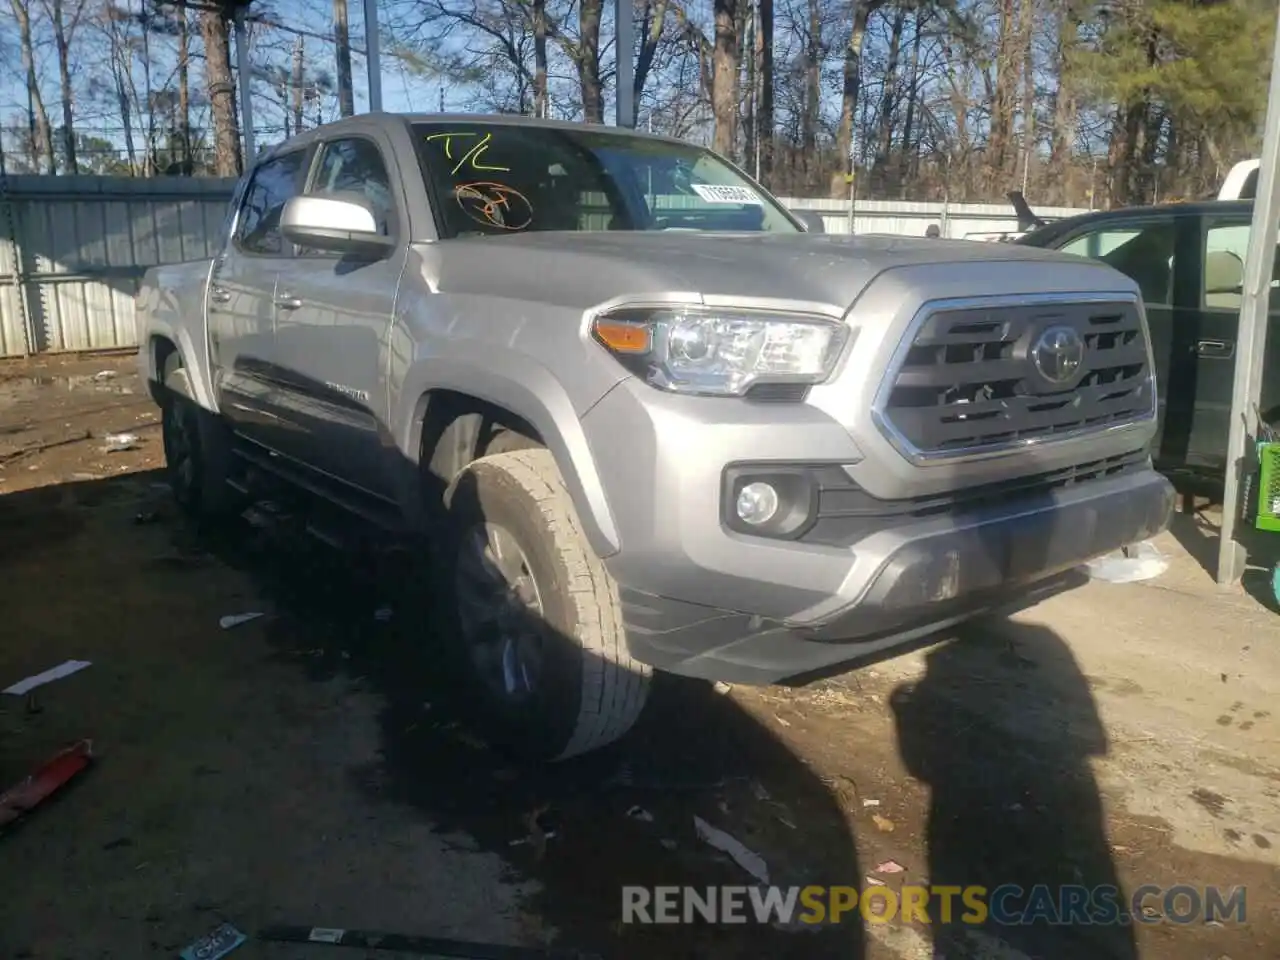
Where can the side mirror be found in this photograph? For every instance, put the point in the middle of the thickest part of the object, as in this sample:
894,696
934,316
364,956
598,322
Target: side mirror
334,225
811,219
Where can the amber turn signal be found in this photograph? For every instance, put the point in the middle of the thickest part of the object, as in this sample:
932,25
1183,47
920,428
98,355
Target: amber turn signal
622,337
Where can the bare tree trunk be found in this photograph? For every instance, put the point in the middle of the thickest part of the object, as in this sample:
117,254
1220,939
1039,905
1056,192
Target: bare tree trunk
184,82
37,115
1064,109
1028,90
539,58
222,94
957,81
126,121
812,88
909,157
297,83
1126,129
655,16
765,110
1173,155
342,41
724,77
1151,133
588,61
1002,105
1152,122
751,62
149,169
851,87
61,44
884,139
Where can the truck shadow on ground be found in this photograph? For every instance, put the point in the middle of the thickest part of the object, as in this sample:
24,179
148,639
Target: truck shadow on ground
1020,816
1000,730
1004,748
583,828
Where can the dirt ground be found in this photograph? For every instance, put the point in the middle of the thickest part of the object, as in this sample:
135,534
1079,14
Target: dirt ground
307,767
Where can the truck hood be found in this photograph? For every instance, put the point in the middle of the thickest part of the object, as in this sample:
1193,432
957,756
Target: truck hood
583,269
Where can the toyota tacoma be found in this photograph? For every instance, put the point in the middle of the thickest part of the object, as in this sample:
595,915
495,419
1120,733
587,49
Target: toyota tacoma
650,418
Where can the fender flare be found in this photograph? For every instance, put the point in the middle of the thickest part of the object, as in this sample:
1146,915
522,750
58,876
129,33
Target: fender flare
194,359
527,389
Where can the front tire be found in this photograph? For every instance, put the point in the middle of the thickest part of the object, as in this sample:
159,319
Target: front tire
197,450
538,630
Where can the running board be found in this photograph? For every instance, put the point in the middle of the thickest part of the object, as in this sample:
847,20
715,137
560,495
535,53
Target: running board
387,519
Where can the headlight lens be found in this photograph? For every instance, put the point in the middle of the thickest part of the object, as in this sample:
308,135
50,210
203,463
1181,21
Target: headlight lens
721,353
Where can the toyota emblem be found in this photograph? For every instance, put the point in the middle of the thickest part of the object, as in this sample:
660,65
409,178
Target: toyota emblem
1058,354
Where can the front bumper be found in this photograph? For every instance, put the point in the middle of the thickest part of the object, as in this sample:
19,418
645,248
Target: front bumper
929,576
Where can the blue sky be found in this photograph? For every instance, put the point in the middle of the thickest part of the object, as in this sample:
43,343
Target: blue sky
96,110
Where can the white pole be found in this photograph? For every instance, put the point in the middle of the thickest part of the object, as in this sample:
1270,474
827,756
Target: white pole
373,55
245,80
625,45
1252,336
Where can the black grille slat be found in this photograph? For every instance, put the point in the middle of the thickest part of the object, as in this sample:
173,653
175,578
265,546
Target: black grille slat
1102,357
943,375
967,380
963,333
1049,410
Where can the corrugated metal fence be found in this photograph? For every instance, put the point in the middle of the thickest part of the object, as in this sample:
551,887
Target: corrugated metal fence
957,221
73,249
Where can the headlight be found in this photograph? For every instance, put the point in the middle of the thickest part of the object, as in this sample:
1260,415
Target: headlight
719,352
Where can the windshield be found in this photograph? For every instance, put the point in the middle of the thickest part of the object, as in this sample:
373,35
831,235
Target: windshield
493,178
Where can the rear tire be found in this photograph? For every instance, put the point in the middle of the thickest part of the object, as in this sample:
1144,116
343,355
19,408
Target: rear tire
544,656
197,450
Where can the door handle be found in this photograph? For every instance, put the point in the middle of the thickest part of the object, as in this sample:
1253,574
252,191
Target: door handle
219,294
287,301
1215,349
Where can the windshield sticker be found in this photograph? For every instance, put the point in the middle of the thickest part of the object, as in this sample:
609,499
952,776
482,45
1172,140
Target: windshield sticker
494,205
466,152
713,193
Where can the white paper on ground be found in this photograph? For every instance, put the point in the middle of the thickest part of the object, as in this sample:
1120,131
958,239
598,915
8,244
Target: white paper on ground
748,860
235,619
1145,562
40,679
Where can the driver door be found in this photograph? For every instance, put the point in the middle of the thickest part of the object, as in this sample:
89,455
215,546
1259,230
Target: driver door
333,320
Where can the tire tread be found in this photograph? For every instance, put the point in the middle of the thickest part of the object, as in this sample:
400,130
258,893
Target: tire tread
614,684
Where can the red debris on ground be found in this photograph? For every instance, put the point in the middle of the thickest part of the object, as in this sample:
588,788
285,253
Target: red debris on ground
55,773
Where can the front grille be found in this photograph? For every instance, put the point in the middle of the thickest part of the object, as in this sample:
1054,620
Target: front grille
968,382
847,513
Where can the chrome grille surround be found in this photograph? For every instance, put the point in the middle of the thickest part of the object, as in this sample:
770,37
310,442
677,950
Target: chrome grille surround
961,384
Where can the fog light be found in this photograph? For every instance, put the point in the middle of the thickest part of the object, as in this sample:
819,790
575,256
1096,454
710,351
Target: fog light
757,503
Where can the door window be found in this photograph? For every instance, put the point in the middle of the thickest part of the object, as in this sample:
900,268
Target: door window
274,184
1141,251
355,165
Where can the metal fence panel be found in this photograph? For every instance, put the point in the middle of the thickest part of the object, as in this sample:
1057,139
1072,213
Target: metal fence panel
82,245
13,338
912,218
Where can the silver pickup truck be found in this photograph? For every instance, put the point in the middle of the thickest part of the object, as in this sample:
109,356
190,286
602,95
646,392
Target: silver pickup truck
643,417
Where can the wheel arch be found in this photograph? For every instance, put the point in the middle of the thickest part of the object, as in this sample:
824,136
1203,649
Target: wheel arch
524,397
164,342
